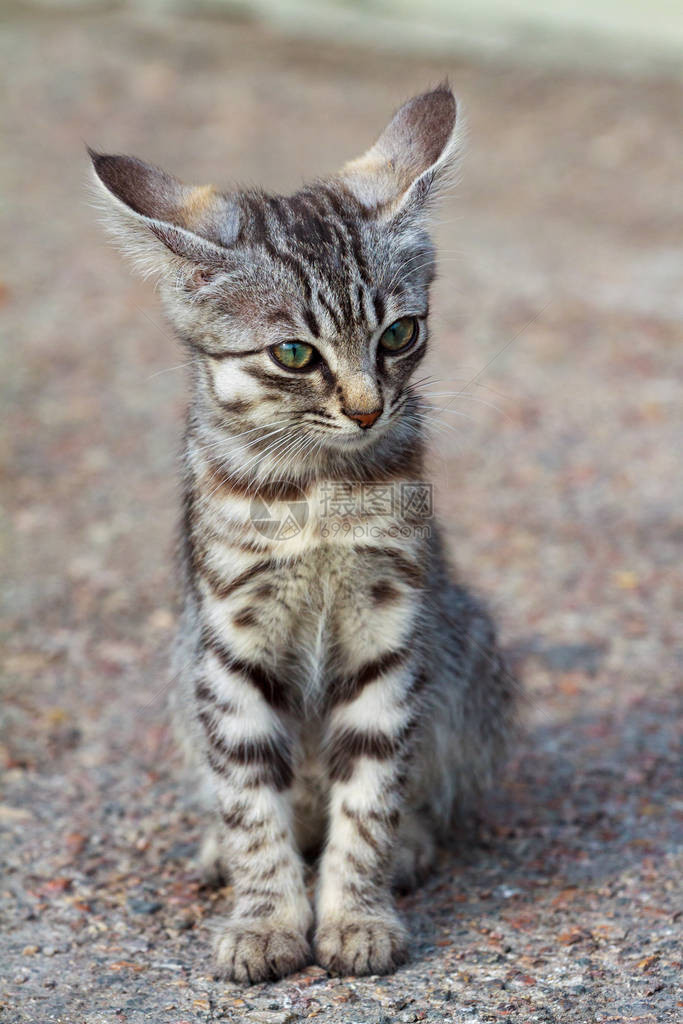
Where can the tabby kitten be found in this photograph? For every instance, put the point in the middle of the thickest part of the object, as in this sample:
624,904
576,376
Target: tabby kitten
336,690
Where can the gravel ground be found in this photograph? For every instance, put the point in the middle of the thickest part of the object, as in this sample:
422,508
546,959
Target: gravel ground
560,289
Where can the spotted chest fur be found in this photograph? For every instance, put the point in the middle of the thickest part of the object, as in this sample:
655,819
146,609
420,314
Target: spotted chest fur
315,609
335,690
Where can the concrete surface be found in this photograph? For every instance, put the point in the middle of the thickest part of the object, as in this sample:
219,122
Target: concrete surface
560,289
635,36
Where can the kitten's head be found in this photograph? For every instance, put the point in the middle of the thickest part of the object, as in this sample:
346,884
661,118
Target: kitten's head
307,314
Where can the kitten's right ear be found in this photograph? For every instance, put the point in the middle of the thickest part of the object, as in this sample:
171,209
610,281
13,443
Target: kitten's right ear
413,156
159,220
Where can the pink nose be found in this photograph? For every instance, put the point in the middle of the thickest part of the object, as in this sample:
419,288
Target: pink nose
363,419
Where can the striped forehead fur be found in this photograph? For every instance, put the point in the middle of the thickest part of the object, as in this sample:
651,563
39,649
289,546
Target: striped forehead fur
317,254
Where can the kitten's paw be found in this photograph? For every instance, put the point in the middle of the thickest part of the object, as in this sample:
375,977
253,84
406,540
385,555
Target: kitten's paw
361,945
254,951
414,857
211,865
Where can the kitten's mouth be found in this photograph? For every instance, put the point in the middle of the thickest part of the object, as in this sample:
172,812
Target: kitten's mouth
354,440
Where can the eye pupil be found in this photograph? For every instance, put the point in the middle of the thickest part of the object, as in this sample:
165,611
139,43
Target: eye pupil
400,334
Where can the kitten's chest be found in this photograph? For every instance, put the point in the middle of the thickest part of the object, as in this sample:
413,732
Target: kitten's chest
332,609
298,582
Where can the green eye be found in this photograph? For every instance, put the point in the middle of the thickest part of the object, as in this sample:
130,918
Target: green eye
295,355
400,334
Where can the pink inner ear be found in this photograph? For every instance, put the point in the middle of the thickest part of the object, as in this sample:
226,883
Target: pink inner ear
200,276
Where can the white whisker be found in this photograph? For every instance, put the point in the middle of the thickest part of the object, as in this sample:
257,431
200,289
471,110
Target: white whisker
169,369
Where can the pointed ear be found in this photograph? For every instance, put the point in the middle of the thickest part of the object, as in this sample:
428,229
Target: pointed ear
158,219
414,153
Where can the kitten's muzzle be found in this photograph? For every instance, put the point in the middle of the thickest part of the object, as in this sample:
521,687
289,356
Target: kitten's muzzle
363,419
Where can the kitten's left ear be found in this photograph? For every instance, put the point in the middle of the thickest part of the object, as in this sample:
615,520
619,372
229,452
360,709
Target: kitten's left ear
412,156
159,220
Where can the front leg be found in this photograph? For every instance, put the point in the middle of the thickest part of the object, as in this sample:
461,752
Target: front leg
368,749
249,758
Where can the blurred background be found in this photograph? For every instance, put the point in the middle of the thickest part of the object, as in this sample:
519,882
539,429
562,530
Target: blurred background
558,311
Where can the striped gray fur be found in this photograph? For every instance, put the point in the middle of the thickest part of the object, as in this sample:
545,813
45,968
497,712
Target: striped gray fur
336,691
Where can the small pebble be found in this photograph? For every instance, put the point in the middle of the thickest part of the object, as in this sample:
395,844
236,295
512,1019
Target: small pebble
273,1016
138,906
